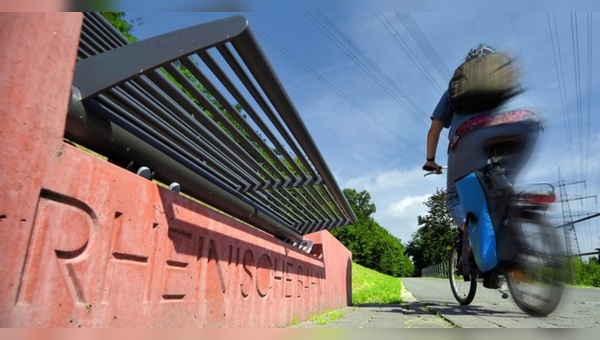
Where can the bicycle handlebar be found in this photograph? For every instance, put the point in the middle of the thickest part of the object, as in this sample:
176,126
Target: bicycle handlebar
433,171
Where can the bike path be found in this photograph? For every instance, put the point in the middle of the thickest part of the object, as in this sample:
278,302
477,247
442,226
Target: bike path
428,303
579,307
410,314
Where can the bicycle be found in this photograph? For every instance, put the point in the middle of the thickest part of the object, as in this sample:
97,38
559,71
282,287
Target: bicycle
533,269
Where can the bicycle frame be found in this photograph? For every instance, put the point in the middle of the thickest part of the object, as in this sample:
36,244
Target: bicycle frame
539,261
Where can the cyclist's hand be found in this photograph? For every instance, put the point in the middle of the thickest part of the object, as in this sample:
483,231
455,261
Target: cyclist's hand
432,166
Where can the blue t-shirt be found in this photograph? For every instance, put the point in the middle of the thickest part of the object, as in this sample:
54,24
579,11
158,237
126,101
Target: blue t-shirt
444,112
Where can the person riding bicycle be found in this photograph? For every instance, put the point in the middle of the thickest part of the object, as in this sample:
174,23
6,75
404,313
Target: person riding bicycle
469,132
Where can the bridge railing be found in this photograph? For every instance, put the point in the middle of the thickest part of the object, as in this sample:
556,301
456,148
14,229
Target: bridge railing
203,109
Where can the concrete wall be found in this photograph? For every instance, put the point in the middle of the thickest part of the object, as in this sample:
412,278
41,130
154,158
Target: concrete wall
87,244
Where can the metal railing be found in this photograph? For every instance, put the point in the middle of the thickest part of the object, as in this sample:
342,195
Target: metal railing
203,107
439,270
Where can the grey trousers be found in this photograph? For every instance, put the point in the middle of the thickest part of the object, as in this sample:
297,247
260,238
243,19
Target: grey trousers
468,155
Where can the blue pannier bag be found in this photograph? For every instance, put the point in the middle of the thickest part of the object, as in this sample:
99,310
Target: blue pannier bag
481,231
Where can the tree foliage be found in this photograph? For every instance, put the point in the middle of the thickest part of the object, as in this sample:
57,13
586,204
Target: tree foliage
185,75
587,273
117,19
372,246
432,242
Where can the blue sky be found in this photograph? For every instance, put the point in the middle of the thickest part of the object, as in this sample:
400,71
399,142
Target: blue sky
366,99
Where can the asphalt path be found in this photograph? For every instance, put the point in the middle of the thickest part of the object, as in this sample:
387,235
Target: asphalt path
409,314
429,303
579,307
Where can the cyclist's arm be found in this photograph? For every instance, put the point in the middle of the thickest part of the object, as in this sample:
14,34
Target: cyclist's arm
433,137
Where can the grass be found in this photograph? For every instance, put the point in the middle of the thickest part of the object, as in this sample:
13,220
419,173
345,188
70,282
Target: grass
326,317
370,286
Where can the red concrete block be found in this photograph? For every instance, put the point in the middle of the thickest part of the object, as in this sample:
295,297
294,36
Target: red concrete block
108,248
88,244
38,53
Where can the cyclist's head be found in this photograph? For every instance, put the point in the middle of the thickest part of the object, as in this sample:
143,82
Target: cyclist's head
482,49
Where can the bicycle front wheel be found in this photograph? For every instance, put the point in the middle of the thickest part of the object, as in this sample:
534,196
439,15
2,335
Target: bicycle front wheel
464,291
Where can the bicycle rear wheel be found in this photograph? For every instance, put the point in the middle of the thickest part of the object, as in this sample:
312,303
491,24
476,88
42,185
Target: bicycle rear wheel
536,283
463,291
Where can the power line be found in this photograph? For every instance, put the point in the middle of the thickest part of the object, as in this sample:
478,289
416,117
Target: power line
408,51
589,86
516,35
577,73
356,54
338,91
419,37
561,85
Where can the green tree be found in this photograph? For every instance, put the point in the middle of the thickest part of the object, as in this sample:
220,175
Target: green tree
117,19
360,203
587,273
371,245
432,242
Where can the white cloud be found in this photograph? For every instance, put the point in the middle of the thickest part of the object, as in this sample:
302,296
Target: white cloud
399,197
400,217
406,205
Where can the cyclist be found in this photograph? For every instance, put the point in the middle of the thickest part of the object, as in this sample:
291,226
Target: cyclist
513,117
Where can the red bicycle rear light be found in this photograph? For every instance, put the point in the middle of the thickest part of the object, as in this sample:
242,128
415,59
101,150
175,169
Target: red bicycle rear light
540,197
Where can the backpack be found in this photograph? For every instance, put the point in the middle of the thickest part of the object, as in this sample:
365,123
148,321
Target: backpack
483,83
